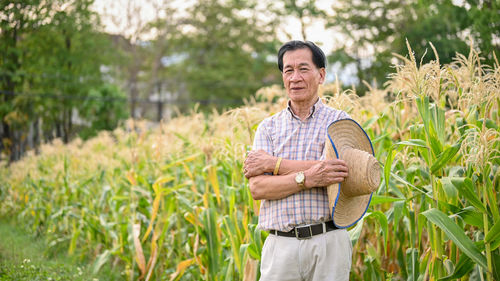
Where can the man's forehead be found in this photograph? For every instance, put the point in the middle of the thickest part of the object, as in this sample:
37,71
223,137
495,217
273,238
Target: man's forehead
299,64
300,57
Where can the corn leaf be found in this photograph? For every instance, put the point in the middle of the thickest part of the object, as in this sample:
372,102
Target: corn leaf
463,267
380,199
413,142
445,157
212,176
101,260
139,255
471,216
466,188
456,234
382,220
412,264
181,267
493,234
355,232
387,168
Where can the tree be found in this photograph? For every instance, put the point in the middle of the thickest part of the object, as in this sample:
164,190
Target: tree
226,52
104,108
304,11
376,29
17,19
69,60
52,60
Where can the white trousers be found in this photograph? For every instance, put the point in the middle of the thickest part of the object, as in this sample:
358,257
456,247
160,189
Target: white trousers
326,256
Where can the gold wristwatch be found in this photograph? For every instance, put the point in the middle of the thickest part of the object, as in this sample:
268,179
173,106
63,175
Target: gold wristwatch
300,179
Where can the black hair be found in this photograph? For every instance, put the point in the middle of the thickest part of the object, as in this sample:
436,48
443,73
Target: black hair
318,56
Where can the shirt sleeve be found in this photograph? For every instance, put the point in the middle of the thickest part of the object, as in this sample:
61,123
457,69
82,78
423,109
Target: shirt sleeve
262,140
344,115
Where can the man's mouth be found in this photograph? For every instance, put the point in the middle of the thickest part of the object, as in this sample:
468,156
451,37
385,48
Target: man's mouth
296,88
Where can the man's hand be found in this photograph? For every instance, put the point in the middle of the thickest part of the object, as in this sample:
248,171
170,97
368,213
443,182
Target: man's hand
258,162
325,173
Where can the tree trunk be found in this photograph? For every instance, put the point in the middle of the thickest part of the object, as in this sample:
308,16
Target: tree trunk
37,134
59,130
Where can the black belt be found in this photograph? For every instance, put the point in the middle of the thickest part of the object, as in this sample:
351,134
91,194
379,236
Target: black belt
306,231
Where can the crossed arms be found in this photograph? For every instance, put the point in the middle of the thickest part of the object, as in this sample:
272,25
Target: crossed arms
318,173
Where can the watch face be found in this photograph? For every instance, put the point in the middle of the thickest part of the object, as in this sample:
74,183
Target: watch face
299,178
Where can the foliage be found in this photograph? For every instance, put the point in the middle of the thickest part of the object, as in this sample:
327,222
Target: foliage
227,50
52,60
104,109
376,29
171,203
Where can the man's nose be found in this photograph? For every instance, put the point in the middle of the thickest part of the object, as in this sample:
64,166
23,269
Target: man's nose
295,76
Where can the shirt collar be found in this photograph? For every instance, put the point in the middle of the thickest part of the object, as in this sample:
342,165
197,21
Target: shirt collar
314,109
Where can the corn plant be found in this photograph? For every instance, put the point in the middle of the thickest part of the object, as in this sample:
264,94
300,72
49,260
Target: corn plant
170,202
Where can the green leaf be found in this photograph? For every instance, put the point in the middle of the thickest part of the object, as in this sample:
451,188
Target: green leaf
423,109
243,250
413,187
101,260
436,146
368,123
380,137
398,212
456,234
382,220
445,157
463,267
495,258
412,264
380,199
413,142
387,168
471,216
253,252
466,188
449,189
493,234
438,116
355,232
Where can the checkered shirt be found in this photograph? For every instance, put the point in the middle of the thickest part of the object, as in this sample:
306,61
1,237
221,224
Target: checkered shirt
285,135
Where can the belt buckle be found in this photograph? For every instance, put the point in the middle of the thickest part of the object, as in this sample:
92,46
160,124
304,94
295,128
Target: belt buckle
298,232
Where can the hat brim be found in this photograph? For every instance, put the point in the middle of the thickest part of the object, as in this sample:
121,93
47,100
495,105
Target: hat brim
346,211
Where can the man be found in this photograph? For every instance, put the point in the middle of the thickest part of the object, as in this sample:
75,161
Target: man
286,171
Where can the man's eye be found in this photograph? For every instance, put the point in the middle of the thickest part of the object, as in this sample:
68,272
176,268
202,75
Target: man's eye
304,69
288,71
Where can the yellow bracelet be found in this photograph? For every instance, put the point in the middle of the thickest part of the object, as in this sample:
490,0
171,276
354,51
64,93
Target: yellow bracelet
277,168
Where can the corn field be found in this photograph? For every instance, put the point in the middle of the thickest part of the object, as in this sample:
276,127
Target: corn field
170,202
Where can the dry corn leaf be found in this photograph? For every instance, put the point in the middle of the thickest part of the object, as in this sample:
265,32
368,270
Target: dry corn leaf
139,254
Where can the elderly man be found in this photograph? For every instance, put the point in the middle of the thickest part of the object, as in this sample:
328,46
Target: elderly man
287,172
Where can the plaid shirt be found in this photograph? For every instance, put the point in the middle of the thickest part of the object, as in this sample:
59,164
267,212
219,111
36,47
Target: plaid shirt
285,135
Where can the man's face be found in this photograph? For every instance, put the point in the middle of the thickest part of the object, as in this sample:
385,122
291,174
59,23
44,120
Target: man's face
301,77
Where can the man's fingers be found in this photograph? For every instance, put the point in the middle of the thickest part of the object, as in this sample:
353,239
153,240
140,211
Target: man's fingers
341,168
338,180
336,162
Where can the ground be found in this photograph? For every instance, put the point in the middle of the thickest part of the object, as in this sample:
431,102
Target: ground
25,257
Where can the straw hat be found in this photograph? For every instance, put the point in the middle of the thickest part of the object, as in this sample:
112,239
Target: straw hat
349,200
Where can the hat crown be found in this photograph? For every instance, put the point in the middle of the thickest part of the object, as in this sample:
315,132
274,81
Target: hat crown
364,172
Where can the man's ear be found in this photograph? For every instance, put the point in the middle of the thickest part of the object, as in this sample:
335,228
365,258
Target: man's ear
322,73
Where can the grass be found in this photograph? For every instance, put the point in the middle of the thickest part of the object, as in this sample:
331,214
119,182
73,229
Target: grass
25,257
